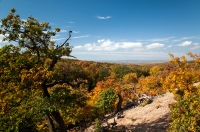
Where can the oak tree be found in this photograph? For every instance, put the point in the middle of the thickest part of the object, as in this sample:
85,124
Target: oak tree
27,73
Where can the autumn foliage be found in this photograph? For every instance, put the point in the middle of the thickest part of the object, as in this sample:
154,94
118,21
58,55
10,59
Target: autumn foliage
41,91
185,113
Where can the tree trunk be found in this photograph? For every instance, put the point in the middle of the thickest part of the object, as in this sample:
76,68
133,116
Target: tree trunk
50,123
55,114
119,104
59,121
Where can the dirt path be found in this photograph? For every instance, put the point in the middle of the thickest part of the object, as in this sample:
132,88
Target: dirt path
150,118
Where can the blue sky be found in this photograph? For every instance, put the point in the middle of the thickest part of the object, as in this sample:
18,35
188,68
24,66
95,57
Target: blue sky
118,29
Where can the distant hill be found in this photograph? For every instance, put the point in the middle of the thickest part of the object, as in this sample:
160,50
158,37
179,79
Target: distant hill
132,61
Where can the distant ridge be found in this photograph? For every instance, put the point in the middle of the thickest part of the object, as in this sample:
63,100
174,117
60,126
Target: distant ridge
132,61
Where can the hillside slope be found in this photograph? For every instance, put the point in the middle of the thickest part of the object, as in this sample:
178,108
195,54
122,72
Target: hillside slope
153,117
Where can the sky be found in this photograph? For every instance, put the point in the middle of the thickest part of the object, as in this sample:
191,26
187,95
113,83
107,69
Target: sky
118,29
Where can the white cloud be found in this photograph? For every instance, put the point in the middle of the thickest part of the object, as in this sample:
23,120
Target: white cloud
131,45
63,31
81,36
154,45
66,26
101,17
56,38
108,45
186,43
169,46
78,47
71,22
158,39
184,38
195,46
25,20
76,31
101,40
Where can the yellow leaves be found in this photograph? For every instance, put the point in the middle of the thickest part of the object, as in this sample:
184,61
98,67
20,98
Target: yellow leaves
36,75
174,78
150,83
48,60
187,93
191,87
184,58
25,74
155,71
50,74
57,29
173,86
130,78
176,61
197,61
183,76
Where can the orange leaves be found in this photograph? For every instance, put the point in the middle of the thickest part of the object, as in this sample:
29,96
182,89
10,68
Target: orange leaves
100,86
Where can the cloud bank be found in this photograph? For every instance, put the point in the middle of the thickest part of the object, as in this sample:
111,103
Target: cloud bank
108,45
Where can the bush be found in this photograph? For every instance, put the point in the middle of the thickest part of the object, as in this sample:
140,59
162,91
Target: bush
107,99
185,114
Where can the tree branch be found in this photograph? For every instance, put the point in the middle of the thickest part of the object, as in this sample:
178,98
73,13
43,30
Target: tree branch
63,80
65,40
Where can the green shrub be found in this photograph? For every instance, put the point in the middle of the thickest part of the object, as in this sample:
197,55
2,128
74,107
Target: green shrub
185,114
107,99
97,126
